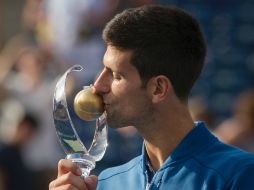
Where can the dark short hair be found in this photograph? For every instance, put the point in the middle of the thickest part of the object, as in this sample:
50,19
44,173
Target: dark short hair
165,41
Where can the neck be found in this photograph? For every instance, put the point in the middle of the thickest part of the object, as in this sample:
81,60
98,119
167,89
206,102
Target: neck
165,133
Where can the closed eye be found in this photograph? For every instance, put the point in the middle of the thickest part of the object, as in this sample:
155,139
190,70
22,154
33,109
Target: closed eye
116,76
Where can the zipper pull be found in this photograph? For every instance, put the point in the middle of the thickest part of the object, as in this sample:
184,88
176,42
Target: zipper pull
159,183
148,185
147,182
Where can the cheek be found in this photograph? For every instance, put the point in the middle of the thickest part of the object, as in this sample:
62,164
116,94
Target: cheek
120,89
127,96
124,100
135,102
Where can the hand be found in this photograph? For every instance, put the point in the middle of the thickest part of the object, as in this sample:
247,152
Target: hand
69,178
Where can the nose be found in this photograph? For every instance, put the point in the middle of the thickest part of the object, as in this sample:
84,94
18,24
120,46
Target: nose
102,83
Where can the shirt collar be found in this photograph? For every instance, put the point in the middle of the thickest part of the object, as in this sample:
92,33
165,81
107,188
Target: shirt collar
194,142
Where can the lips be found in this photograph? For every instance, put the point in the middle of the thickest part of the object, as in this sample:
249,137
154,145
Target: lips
106,103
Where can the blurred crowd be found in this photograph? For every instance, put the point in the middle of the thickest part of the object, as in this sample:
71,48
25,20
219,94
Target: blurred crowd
57,34
236,130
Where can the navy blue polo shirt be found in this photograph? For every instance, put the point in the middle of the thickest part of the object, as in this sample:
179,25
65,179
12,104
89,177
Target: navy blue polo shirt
200,161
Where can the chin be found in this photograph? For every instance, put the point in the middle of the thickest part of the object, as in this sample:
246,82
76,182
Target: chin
116,120
115,123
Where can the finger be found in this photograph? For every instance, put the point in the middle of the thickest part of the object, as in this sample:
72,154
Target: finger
68,179
65,166
65,187
91,182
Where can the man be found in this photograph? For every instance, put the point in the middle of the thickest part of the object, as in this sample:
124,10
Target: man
154,55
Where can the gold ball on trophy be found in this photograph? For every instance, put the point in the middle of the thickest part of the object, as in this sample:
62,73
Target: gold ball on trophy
87,105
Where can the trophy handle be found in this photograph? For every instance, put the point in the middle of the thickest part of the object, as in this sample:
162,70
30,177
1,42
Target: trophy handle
100,140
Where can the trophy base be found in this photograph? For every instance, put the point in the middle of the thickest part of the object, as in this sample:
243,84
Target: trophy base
85,162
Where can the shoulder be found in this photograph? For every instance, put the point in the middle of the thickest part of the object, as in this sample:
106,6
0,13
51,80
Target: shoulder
225,160
231,153
242,179
120,170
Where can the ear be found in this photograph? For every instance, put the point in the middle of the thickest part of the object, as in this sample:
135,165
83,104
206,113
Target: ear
160,86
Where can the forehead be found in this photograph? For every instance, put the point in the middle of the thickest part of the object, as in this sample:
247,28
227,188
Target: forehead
117,59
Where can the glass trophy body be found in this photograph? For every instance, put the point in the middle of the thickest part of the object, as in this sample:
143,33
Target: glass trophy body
68,133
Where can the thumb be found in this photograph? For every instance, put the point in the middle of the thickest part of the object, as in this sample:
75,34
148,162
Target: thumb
65,166
91,182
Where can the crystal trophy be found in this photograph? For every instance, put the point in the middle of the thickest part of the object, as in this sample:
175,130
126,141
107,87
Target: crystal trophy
88,107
